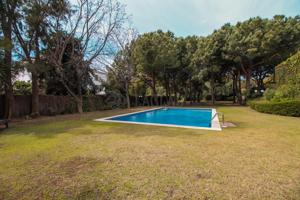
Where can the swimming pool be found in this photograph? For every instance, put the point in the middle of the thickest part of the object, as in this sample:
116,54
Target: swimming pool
196,118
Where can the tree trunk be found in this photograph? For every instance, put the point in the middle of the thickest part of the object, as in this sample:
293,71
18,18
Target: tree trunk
154,93
136,97
247,69
174,90
212,89
248,81
234,87
127,96
9,98
79,99
35,80
239,91
154,96
198,97
79,104
186,92
261,84
35,95
167,87
190,90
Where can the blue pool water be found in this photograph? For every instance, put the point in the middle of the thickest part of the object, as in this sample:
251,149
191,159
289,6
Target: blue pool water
171,116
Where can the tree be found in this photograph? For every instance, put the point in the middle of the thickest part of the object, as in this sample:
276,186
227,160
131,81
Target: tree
245,43
155,56
30,27
225,61
122,70
7,12
209,59
88,30
22,88
257,42
79,85
186,50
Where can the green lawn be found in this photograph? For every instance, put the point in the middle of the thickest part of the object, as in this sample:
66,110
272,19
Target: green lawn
73,157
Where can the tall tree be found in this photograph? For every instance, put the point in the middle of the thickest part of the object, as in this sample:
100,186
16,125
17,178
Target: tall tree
122,70
30,27
257,41
7,12
209,59
83,86
88,30
246,44
186,49
155,56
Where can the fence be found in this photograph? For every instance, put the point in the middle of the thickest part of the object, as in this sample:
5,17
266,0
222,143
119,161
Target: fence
50,105
57,105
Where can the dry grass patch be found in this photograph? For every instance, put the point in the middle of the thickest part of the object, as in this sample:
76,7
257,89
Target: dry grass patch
82,159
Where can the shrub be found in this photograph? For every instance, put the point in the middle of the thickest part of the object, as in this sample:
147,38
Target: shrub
288,69
286,92
287,108
208,97
22,88
269,94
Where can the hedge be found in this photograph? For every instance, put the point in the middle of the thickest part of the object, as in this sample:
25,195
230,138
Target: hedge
288,69
287,108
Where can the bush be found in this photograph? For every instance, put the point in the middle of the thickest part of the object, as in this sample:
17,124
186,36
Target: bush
286,92
287,108
288,70
208,97
269,94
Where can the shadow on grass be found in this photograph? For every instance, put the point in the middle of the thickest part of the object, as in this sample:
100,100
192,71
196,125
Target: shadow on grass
84,127
146,130
50,127
44,130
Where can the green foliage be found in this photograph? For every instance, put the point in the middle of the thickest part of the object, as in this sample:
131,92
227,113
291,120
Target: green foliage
286,92
78,78
269,94
121,72
287,108
153,52
285,99
287,81
22,88
288,70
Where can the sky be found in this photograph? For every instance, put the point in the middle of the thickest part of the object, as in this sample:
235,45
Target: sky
201,17
198,17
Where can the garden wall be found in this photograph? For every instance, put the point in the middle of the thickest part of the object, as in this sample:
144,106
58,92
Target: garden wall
57,105
50,105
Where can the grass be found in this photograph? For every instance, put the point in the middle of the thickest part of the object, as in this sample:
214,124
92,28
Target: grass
73,157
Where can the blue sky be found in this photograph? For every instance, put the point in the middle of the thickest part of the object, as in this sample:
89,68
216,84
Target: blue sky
201,17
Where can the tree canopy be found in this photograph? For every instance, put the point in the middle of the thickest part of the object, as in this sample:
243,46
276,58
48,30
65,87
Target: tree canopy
64,44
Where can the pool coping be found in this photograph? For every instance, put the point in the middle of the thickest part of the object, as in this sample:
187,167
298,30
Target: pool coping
215,124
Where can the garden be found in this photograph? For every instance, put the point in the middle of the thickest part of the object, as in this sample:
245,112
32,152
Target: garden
91,108
73,157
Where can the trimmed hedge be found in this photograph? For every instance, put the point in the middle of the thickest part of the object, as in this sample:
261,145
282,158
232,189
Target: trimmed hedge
286,108
288,69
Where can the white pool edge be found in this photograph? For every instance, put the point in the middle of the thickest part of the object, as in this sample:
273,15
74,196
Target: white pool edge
215,124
